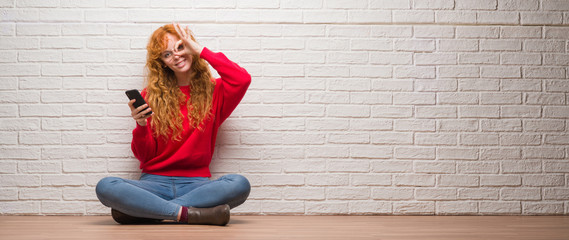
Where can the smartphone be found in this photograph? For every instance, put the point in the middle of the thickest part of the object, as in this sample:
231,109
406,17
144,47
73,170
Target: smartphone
135,94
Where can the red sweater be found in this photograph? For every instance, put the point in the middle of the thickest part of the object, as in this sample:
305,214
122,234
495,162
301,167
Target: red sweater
191,156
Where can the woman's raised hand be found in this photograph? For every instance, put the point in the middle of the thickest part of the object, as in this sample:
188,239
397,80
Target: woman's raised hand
186,45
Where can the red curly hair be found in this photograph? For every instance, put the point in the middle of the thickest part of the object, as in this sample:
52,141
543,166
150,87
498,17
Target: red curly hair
164,94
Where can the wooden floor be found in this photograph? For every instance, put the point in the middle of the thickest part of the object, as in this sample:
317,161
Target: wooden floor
294,227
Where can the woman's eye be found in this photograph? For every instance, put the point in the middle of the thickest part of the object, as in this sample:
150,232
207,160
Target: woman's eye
166,55
181,47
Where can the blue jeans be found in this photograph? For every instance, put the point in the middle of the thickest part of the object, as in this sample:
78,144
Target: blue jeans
161,197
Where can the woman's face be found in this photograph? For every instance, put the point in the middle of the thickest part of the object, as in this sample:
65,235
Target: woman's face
178,63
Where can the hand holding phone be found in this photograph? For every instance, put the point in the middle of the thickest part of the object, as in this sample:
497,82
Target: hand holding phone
140,110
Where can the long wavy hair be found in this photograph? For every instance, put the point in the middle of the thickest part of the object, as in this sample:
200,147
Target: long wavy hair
164,94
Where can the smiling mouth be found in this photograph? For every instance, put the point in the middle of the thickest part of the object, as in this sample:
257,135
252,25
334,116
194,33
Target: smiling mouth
181,63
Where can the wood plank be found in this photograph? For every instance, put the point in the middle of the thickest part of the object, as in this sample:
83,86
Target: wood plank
294,227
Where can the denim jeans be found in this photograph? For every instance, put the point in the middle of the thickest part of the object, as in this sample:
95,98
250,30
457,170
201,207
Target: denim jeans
161,197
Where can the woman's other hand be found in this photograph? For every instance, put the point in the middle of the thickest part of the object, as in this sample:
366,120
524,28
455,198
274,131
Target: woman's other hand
138,114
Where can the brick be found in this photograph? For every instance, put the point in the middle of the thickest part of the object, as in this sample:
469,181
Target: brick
500,45
392,138
535,18
413,16
414,98
414,125
370,124
327,152
419,153
556,139
369,16
303,193
518,4
530,208
478,167
304,166
544,46
555,193
349,138
478,84
521,167
455,17
543,180
478,194
459,71
371,179
457,153
521,59
457,181
545,99
414,208
500,153
392,166
457,125
477,32
479,111
277,16
363,71
20,207
324,16
60,15
435,194
414,72
435,139
27,180
392,193
347,193
433,31
457,45
370,98
527,85
425,85
391,58
478,5
500,180
434,167
500,98
389,4
457,98
321,208
478,58
555,5
433,4
501,207
556,85
392,85
497,17
543,125
520,194
436,112
417,180
367,207
456,208
327,179
521,111
435,59
544,72
391,31
556,59
543,153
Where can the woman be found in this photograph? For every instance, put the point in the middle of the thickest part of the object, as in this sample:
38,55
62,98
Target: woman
175,143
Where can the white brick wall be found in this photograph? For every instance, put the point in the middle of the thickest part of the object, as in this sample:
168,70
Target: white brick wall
356,107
